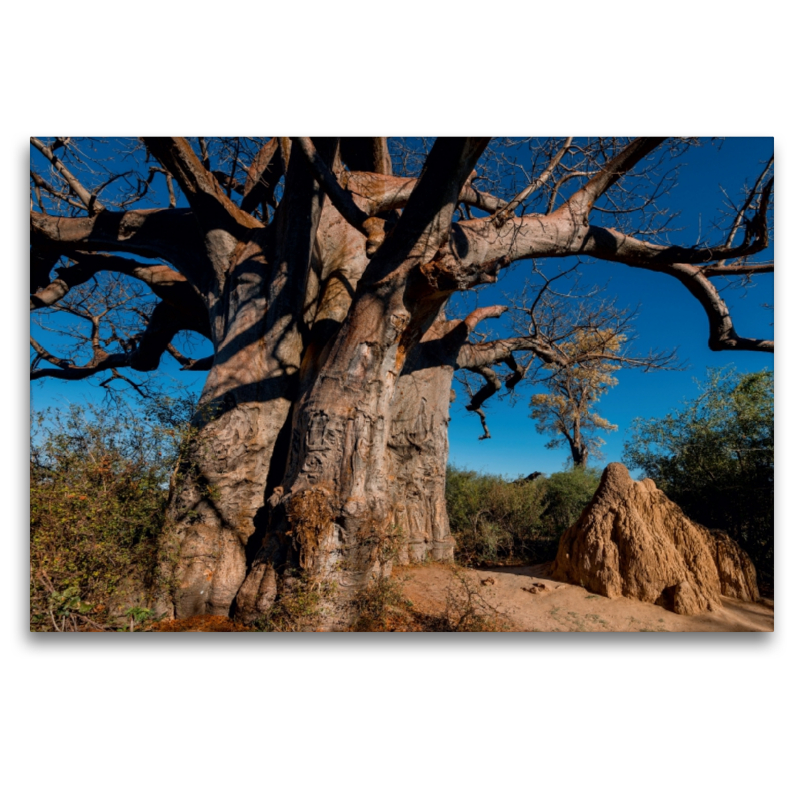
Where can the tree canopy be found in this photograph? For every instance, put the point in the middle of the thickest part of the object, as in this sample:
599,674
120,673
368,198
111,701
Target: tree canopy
567,410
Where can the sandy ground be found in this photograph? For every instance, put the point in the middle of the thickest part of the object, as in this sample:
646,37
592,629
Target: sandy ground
528,601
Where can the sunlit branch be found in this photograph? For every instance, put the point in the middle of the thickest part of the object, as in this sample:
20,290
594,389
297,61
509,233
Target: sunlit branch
581,203
537,184
89,200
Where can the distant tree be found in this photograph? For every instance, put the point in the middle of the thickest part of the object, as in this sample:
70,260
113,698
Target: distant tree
715,458
567,409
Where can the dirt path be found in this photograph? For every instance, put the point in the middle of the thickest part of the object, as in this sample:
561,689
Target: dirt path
530,602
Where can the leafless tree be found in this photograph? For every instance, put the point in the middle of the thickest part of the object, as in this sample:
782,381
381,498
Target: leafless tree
319,270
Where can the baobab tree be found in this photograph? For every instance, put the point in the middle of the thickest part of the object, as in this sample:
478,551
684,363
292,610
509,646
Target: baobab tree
320,278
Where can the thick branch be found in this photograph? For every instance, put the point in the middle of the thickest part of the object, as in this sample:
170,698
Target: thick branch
474,356
67,279
163,326
480,247
367,154
375,194
580,204
170,234
479,314
341,198
263,176
428,215
165,282
203,191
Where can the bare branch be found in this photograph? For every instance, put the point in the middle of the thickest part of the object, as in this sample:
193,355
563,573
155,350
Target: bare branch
722,334
169,234
480,314
89,200
190,364
611,245
69,372
263,176
142,352
737,222
744,268
506,212
581,203
474,355
376,194
165,282
202,189
40,183
491,387
341,198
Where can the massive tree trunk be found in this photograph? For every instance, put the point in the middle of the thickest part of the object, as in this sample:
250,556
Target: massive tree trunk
364,436
361,483
370,493
341,506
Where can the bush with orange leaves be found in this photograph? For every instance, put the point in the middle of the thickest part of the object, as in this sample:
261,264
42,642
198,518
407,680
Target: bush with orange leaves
99,485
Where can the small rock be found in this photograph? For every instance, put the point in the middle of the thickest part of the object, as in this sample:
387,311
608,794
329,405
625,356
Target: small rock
537,588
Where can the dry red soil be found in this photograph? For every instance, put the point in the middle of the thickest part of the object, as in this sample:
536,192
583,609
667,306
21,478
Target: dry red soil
526,600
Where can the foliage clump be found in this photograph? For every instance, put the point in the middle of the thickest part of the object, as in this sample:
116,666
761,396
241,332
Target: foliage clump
567,410
99,486
715,459
495,521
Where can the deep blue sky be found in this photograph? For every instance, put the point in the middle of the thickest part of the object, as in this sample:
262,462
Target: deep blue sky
668,317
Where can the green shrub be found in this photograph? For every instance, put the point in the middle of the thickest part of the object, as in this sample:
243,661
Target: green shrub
568,493
99,485
499,521
715,458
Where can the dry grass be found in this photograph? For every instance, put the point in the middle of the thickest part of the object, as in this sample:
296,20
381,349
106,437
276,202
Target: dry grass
382,607
204,623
